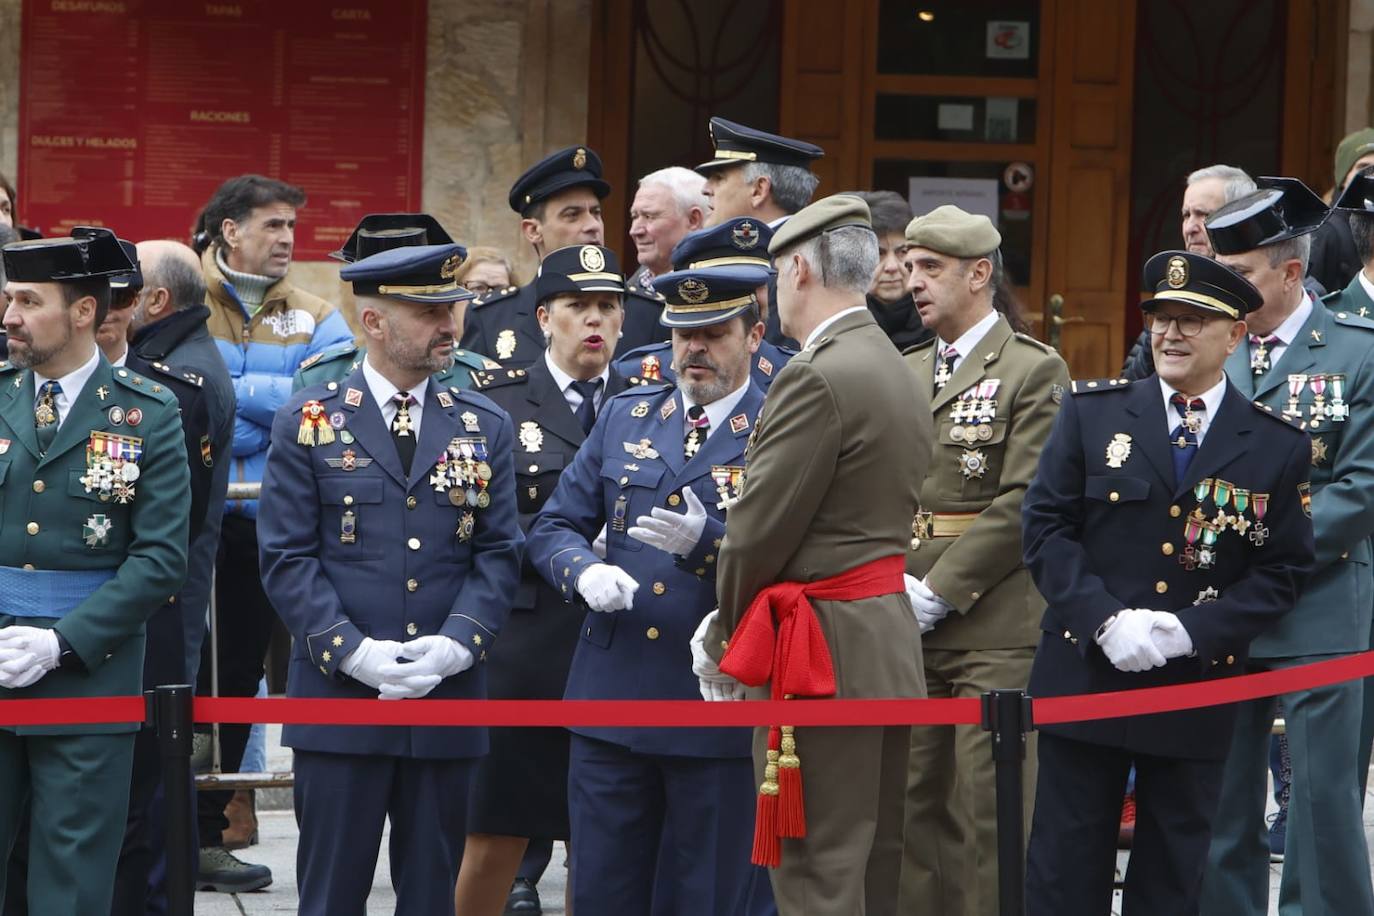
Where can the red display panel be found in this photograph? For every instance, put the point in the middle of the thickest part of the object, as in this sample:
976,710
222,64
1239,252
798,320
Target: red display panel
132,112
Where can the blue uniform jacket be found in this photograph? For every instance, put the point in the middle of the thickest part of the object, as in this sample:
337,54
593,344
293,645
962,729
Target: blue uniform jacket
1099,538
649,364
407,567
632,461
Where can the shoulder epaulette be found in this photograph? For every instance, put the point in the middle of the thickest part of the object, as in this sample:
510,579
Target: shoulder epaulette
642,389
644,292
1035,342
1090,386
149,387
495,295
1353,318
7,366
1268,411
329,353
181,375
482,379
1332,296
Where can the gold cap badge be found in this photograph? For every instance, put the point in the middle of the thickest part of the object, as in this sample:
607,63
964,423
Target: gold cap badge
580,161
693,291
450,268
1177,272
592,259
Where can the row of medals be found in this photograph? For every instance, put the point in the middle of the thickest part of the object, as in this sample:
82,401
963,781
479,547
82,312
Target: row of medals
973,411
1336,410
1201,533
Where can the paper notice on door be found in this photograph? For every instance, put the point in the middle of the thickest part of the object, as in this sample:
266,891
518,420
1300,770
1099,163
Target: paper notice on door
972,195
954,117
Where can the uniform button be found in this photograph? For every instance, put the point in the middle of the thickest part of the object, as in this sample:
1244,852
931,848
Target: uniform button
39,486
172,600
976,595
411,629
412,585
32,528
659,588
1230,659
710,558
1114,496
1167,549
1346,555
724,644
1161,586
28,567
1175,512
413,543
411,502
674,499
1068,635
624,480
534,468
652,632
348,500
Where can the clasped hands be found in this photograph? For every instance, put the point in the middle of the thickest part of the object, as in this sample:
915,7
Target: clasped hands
1138,639
406,670
26,654
928,607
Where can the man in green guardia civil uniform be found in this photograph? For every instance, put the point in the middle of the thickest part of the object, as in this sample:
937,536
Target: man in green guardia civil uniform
94,501
375,233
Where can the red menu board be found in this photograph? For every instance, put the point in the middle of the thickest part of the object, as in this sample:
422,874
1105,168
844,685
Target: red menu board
132,112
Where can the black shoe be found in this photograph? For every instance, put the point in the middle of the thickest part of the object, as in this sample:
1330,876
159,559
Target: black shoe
220,870
523,899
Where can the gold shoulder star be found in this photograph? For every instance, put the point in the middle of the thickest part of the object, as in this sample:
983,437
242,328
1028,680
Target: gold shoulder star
338,641
325,655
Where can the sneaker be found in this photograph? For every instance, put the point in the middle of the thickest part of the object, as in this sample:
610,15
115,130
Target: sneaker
1278,832
523,899
1126,834
220,870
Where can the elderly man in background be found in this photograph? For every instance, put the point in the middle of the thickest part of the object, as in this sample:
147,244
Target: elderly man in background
669,204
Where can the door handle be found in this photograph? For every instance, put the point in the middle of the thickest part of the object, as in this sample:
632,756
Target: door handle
1053,328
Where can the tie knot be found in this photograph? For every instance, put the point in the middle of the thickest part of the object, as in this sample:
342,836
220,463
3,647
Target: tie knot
587,389
403,399
1267,340
52,386
1182,404
696,416
949,352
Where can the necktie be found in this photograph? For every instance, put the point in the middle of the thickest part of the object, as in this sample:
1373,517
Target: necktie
1184,436
945,370
1259,352
698,428
586,411
403,429
45,416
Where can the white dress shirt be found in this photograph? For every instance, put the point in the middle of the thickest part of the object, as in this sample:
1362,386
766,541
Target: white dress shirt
968,340
564,381
717,411
383,391
72,384
1288,331
1211,400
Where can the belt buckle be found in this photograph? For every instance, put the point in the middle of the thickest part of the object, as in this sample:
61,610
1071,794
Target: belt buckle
922,528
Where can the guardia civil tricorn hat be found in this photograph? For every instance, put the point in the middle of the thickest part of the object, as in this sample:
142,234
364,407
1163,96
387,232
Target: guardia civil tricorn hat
89,253
1279,209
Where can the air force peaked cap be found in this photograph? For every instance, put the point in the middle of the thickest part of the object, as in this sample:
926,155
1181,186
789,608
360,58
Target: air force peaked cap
736,144
736,241
413,273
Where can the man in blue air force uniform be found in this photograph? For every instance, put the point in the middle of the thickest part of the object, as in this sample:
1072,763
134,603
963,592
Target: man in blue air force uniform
661,817
390,548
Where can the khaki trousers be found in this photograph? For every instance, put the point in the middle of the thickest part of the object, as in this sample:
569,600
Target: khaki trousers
949,860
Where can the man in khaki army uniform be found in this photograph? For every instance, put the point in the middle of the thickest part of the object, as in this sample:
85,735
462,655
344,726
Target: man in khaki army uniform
993,396
818,541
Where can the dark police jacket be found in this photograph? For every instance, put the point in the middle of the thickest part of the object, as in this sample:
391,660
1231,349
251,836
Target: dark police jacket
352,547
1099,538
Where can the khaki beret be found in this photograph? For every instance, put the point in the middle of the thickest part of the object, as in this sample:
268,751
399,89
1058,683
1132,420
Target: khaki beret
834,212
951,231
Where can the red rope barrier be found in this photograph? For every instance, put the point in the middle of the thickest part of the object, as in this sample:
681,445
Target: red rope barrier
693,713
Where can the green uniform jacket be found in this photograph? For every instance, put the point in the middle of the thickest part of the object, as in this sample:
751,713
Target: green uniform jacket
980,572
44,524
1333,613
338,363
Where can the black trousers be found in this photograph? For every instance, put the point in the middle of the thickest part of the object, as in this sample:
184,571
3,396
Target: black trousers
245,620
1072,854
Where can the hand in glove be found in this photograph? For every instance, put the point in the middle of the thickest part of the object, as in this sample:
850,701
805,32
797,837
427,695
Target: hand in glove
929,607
26,654
1169,636
599,545
1127,643
714,684
364,663
607,588
674,532
430,660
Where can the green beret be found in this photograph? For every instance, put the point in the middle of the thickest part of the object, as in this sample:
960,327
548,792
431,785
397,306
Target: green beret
1351,148
834,212
951,231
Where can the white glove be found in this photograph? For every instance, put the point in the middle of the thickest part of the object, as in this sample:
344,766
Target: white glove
929,607
715,685
430,660
673,532
30,653
599,545
364,663
1169,636
1127,643
607,588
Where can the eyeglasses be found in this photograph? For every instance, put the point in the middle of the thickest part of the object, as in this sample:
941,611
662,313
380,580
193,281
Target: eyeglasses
478,287
1188,325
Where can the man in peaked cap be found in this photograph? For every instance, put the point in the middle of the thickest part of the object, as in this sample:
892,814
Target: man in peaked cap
1334,261
559,202
1315,364
993,394
1208,494
391,550
660,816
737,242
376,233
812,514
93,534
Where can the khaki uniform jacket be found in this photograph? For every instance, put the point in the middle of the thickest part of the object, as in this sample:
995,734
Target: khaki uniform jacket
833,480
996,605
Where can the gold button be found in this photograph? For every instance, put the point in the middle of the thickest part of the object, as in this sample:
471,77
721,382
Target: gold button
411,502
33,528
1114,496
348,500
28,567
39,486
534,468
411,629
1346,555
976,595
1230,659
659,588
701,571
724,644
624,480
1175,512
412,585
1167,549
710,558
674,499
1161,586
172,600
716,542
652,632
413,543
1068,635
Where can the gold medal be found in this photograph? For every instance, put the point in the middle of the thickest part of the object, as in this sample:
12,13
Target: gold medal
973,464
